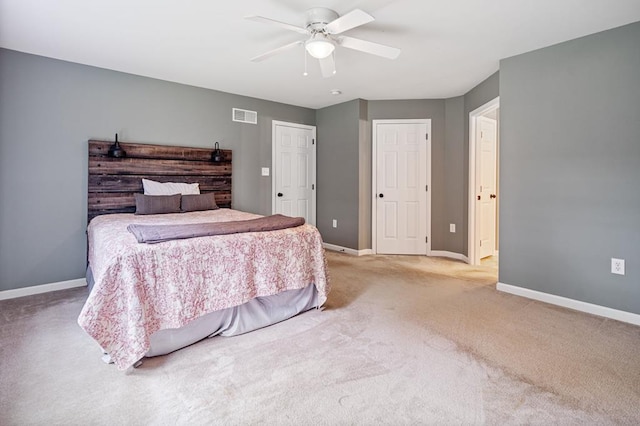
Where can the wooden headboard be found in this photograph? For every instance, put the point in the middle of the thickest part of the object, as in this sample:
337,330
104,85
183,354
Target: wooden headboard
113,181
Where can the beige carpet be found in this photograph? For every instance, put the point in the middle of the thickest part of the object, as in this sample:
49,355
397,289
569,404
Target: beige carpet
403,340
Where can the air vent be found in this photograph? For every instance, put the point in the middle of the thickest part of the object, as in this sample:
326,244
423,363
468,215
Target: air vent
244,116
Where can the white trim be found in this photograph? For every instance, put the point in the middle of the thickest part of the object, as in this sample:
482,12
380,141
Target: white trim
275,123
374,177
44,288
450,255
354,252
577,305
473,115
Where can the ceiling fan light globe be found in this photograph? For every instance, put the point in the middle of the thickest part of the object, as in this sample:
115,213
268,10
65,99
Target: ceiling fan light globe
319,48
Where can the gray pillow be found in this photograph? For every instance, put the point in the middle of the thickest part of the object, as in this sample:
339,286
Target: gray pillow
192,203
157,204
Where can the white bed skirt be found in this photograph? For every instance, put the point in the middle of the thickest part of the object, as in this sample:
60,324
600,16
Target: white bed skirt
257,313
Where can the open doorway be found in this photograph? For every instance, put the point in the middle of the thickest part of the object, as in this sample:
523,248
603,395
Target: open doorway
484,139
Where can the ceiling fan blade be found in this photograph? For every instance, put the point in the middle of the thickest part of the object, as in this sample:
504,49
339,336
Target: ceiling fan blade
275,51
369,47
278,23
328,66
350,20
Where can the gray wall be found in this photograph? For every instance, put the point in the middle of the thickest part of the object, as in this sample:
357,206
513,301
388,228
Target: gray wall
456,179
338,157
365,194
48,111
570,168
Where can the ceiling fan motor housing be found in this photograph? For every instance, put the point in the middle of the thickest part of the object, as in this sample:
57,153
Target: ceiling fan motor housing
319,17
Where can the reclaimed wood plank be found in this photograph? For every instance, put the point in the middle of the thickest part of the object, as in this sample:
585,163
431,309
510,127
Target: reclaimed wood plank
120,200
135,166
99,148
131,209
133,183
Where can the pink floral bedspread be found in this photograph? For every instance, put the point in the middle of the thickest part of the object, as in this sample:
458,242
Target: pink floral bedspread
142,288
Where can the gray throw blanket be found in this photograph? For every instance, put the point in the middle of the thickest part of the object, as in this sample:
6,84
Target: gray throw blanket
151,234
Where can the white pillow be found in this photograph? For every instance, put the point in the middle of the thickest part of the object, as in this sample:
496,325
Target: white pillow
151,187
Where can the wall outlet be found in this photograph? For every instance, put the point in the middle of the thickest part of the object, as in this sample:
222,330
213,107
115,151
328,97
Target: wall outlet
335,223
452,227
617,266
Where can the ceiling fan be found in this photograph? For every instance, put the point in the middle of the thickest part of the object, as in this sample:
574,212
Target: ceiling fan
324,28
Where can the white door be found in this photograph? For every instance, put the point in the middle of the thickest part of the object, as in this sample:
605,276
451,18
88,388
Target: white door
294,170
401,187
486,182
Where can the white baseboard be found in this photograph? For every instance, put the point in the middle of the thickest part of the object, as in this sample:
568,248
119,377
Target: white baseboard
44,288
449,254
577,305
354,252
438,253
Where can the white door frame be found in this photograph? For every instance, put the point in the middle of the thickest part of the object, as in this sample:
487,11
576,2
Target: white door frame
274,124
473,144
374,177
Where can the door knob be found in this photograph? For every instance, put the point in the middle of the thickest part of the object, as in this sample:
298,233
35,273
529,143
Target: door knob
381,195
478,198
279,194
492,196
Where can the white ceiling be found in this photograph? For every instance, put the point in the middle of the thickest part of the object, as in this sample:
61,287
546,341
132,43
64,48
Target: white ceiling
448,46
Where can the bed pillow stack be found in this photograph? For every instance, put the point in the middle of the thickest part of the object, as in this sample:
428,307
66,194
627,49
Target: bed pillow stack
172,197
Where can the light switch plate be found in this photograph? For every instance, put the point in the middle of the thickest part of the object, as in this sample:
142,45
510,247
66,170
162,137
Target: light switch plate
265,171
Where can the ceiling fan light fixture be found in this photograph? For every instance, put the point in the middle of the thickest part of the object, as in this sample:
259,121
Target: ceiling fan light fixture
319,46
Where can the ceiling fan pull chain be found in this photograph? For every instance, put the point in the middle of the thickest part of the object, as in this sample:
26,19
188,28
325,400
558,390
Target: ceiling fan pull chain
305,73
334,62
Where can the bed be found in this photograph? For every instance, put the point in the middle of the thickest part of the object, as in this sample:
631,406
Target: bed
152,299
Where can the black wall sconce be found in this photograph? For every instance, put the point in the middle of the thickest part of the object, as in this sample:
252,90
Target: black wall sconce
115,151
216,155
